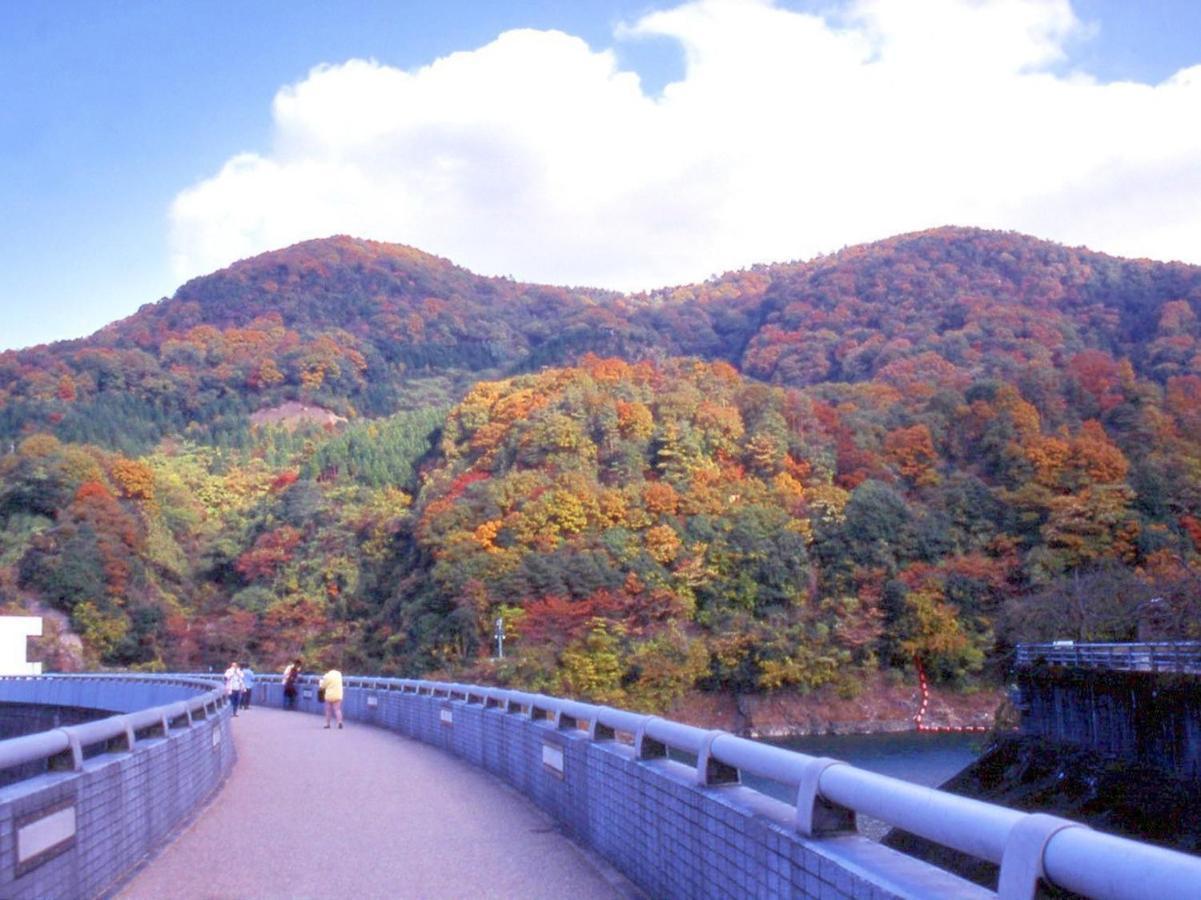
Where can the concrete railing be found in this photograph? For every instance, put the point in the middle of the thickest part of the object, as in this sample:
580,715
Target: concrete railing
622,783
1162,656
94,799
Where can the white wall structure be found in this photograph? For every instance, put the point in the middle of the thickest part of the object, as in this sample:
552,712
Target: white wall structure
13,632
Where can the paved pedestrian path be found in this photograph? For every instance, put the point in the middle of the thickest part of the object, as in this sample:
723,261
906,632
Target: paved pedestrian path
364,813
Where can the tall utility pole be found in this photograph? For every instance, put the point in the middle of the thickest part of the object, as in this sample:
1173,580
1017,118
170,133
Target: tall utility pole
499,634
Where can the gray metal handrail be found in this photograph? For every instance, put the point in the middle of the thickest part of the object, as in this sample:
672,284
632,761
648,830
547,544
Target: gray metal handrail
1150,656
33,747
829,793
47,745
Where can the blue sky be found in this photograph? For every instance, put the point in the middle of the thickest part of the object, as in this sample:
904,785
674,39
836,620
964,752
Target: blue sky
145,142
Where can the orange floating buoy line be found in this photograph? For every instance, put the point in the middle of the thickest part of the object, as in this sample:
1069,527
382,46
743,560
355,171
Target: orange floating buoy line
919,718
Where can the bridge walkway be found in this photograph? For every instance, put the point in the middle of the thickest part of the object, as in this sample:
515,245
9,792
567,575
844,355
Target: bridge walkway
364,813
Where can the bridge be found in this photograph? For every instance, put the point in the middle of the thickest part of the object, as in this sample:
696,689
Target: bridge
170,795
1179,657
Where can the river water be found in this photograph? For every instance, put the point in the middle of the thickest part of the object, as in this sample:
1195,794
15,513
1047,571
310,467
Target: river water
927,758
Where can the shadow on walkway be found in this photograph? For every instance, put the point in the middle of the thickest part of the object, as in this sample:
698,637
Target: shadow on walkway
364,813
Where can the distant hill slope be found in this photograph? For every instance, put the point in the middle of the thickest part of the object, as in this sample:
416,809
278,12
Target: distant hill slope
347,324
986,302
365,328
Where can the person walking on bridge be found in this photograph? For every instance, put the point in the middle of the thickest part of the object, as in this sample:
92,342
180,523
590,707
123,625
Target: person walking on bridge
331,686
247,685
234,685
291,676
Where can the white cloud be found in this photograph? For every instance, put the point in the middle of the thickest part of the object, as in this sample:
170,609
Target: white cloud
790,134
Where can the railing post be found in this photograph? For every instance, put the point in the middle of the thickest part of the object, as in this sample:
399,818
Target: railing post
599,731
710,771
645,746
130,737
74,748
1022,862
815,815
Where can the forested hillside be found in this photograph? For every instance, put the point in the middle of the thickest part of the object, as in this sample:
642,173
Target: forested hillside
361,328
781,478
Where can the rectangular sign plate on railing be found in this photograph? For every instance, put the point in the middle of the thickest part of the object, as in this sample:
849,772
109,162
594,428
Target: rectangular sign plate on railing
43,835
372,702
552,758
447,717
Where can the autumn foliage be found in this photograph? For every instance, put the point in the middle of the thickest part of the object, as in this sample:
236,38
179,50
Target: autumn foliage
777,479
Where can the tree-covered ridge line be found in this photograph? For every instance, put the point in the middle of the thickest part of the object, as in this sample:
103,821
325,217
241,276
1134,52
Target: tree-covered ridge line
784,478
368,329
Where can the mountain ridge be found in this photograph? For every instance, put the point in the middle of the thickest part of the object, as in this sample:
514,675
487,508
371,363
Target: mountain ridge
340,313
307,256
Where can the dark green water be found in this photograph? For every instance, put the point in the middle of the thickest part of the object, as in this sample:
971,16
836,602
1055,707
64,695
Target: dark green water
923,758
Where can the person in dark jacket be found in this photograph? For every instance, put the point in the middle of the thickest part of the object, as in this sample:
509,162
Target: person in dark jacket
247,685
291,676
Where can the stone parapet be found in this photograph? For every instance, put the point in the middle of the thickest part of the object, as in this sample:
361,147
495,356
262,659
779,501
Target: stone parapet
111,791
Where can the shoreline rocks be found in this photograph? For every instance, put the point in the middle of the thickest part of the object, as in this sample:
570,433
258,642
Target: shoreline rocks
882,706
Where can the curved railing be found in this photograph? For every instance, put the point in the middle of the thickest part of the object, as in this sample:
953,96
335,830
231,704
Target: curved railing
160,760
1160,656
828,794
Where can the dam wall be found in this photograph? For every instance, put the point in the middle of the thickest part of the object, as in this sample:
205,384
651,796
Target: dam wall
1133,705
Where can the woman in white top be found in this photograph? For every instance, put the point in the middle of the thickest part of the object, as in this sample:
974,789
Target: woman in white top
234,685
